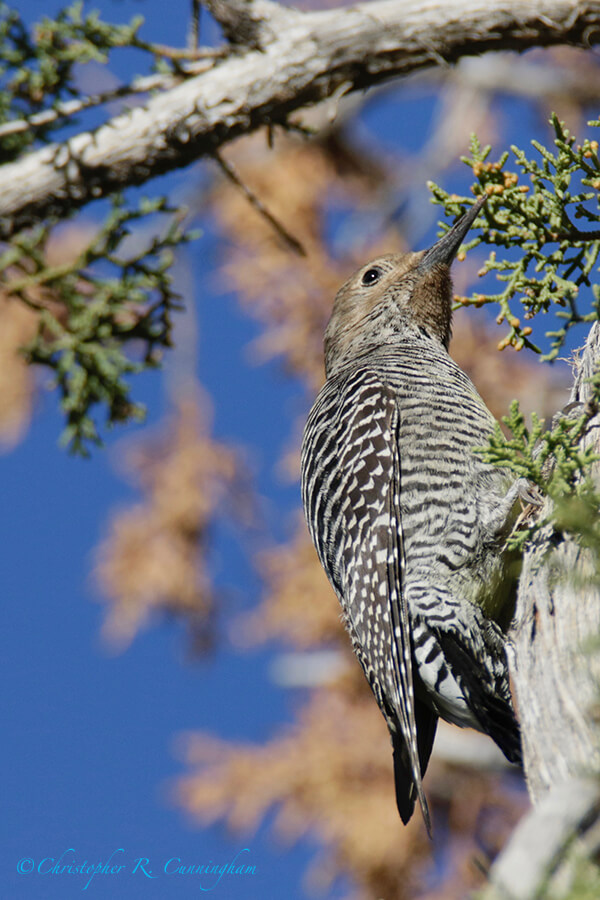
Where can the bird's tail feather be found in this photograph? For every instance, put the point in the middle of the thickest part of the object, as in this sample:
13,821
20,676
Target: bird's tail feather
408,790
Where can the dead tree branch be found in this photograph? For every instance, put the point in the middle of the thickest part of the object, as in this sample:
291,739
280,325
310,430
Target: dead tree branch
542,842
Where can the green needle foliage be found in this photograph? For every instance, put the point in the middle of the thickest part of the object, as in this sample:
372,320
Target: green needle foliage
102,317
38,69
542,259
37,66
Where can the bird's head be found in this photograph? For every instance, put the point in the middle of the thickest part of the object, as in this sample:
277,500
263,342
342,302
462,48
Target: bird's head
394,294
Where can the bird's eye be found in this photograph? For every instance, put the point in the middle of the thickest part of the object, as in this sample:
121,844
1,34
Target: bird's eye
371,276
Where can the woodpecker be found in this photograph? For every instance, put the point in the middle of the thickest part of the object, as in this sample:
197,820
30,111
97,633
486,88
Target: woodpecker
408,522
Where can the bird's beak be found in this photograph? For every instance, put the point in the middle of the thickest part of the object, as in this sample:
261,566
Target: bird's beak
446,248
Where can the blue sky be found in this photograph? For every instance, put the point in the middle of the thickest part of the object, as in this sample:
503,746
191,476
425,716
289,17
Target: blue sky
89,750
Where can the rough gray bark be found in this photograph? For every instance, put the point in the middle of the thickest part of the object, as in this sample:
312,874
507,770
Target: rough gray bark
282,60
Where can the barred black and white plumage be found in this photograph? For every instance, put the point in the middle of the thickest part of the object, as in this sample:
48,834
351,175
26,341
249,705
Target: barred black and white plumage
407,520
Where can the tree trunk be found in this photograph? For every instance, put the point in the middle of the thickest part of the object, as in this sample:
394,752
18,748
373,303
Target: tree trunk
555,670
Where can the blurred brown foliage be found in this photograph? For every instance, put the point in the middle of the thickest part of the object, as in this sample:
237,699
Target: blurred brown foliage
155,556
16,377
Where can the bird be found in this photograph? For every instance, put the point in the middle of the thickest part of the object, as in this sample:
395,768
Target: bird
408,522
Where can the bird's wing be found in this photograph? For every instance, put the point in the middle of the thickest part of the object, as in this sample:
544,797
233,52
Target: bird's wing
373,566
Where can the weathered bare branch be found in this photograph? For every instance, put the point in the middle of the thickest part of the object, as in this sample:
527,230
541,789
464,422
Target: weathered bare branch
540,843
290,60
68,108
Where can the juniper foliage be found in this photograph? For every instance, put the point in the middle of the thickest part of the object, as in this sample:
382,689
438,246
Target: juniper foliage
102,317
542,259
38,67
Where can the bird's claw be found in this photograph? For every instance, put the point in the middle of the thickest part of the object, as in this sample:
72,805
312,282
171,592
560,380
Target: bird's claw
529,493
